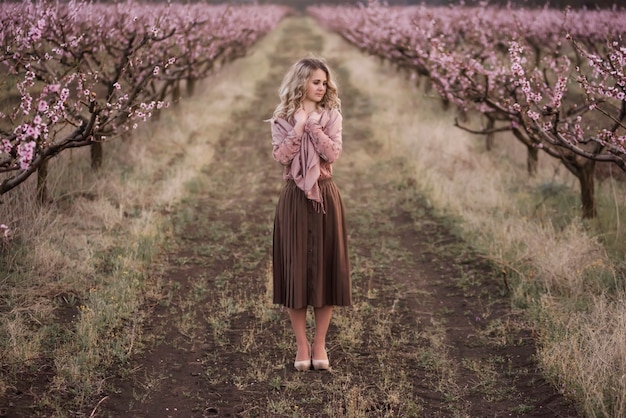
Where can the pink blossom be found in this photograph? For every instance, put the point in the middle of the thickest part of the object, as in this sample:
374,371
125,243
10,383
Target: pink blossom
6,146
533,115
34,34
25,152
26,103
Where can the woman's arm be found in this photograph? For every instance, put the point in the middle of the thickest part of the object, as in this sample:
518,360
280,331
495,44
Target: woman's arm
327,141
285,141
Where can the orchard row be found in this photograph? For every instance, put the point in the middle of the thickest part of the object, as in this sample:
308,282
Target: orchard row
555,79
81,73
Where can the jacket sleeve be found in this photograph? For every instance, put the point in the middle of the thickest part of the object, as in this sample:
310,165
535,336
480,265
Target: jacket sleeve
327,140
285,141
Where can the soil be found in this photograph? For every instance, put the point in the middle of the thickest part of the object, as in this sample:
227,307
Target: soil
408,268
431,333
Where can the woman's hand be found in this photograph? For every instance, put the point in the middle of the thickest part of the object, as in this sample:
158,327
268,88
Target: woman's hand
300,118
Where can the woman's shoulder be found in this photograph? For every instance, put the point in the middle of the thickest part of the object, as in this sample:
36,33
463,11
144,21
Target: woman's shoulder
333,114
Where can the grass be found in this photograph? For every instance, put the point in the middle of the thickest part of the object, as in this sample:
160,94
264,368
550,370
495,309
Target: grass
247,342
566,274
80,271
71,297
83,273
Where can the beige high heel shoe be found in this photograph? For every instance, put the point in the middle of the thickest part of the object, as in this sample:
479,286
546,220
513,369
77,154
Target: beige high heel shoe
303,365
322,364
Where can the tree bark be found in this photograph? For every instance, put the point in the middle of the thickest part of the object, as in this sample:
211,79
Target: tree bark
428,86
97,153
587,188
42,180
191,86
445,103
532,160
176,93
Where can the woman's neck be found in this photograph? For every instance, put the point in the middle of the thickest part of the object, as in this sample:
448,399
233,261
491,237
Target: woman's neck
309,106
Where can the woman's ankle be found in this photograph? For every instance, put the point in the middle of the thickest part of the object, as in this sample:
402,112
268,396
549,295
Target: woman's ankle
319,350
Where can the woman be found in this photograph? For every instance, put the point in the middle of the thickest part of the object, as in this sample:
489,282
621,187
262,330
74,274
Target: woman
310,263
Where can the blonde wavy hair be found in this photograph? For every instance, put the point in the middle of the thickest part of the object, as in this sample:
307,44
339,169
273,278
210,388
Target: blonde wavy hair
292,90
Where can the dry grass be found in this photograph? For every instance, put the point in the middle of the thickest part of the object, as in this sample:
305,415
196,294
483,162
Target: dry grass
77,272
567,272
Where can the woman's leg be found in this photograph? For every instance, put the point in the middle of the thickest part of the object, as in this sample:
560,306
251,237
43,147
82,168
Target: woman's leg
298,323
322,322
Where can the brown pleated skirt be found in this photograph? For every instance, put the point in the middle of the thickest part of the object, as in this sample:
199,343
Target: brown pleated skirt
311,266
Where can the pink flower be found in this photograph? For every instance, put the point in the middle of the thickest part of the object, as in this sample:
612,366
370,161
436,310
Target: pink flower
6,146
25,151
533,115
34,34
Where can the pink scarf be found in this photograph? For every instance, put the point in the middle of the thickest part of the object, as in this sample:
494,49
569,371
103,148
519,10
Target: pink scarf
305,170
305,167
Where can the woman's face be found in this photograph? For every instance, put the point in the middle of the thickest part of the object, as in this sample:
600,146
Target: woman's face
316,86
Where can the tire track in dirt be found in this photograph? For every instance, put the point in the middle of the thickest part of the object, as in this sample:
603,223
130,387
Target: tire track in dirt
430,333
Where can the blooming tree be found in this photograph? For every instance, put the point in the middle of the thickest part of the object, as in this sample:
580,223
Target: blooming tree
554,79
85,73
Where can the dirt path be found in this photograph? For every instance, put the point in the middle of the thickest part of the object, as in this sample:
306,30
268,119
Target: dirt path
429,334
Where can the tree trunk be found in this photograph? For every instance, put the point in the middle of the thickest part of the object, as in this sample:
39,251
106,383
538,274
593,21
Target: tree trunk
176,93
42,179
97,153
191,86
532,160
428,86
587,188
445,103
